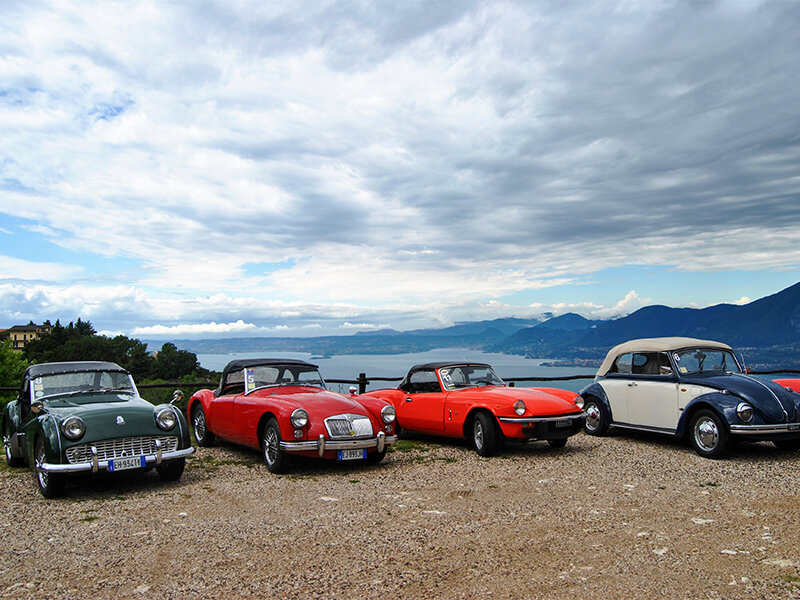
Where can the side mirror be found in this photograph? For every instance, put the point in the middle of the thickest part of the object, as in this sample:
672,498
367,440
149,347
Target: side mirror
353,390
177,396
37,407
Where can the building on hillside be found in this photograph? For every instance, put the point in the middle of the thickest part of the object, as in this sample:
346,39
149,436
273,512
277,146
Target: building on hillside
22,334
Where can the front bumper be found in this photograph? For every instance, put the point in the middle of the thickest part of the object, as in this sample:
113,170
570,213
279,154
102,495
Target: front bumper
543,428
97,465
779,430
320,445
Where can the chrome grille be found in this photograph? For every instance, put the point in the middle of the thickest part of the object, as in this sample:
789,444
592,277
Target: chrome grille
347,426
119,447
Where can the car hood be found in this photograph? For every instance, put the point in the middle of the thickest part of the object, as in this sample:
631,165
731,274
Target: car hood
767,397
315,401
101,416
537,401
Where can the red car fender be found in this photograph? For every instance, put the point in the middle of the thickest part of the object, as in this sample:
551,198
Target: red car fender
792,384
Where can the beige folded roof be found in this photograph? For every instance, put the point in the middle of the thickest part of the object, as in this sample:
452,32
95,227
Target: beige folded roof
662,344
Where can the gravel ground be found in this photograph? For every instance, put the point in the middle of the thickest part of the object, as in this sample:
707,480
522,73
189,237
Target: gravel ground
623,516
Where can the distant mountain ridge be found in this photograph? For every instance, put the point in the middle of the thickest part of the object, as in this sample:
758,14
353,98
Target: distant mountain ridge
769,328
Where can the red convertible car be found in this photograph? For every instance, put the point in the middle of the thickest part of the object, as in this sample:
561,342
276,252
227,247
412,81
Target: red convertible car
468,400
283,408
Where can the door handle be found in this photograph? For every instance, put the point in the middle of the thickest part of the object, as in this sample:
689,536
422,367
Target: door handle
408,399
632,384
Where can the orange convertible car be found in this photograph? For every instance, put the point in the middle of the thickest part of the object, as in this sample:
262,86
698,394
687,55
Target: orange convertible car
468,400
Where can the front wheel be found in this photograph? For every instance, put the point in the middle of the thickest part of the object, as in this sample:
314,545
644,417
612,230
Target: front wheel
275,457
375,457
484,436
787,445
708,435
51,485
11,460
201,433
171,470
596,422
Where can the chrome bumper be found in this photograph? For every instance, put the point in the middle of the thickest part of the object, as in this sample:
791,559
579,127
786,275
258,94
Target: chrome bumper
320,445
532,420
766,429
97,465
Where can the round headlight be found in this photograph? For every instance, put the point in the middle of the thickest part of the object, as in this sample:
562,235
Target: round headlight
73,427
744,411
299,418
388,414
519,407
166,418
578,400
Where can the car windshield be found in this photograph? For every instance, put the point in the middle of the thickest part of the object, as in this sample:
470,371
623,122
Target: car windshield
72,384
706,360
468,376
275,375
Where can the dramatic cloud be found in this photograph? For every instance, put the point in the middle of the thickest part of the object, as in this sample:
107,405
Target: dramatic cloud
333,166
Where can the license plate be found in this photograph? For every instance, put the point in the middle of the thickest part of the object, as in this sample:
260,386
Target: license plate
353,454
564,423
127,462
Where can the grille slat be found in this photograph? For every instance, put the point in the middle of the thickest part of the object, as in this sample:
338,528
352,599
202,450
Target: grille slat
119,447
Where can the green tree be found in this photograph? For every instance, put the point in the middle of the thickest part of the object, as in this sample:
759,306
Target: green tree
171,363
12,366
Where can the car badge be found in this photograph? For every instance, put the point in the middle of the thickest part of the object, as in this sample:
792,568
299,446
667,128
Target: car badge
352,432
120,420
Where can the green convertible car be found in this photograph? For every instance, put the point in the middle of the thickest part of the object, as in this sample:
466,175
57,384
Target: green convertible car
73,417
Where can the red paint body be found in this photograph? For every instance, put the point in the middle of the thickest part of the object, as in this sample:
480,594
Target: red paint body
793,384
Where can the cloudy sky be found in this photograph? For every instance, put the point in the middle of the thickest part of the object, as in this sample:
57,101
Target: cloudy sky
219,167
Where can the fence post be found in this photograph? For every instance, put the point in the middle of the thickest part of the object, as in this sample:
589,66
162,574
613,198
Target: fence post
362,383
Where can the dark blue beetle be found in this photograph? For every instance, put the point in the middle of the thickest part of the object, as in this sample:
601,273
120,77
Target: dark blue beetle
689,387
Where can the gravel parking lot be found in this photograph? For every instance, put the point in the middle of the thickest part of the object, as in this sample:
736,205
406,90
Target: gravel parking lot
623,516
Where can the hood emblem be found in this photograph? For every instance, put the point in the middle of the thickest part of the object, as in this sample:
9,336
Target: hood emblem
120,420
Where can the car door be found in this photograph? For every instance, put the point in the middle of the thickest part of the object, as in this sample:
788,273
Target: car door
422,408
616,384
653,392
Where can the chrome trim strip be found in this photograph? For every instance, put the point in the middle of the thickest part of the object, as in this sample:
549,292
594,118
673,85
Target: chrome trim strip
757,429
315,445
644,428
103,464
159,453
523,420
95,463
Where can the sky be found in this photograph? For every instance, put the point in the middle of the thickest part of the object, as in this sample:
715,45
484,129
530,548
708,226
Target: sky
230,168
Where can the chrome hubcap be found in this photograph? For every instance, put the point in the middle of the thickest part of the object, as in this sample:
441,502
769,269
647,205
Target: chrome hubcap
40,473
706,434
270,446
592,417
478,434
199,425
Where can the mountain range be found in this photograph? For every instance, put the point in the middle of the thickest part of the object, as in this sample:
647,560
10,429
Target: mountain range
768,330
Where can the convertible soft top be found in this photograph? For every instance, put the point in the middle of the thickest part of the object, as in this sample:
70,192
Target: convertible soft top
238,365
84,366
662,344
449,363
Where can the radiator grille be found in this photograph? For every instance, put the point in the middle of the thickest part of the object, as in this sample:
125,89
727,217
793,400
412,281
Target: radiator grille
348,426
119,447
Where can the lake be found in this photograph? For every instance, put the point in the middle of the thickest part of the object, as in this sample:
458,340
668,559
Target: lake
348,366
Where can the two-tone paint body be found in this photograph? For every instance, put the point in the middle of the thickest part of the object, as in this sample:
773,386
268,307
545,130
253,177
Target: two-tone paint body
442,408
240,408
117,423
668,398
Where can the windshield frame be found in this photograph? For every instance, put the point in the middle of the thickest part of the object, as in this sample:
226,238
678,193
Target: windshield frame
37,390
448,385
250,380
678,357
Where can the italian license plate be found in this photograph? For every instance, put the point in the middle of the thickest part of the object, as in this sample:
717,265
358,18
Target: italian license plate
564,423
357,454
127,462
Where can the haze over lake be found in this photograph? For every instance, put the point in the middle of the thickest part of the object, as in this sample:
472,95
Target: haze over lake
348,366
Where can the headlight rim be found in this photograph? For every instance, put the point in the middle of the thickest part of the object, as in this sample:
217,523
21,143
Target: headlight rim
65,427
299,418
163,414
743,408
519,407
388,414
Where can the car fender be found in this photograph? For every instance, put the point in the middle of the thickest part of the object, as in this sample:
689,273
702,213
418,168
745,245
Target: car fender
464,422
596,391
182,426
46,427
722,404
204,397
10,418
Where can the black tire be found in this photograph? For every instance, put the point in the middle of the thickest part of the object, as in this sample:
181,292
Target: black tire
559,443
200,428
375,457
708,435
275,458
787,445
51,485
171,470
484,434
596,422
11,460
